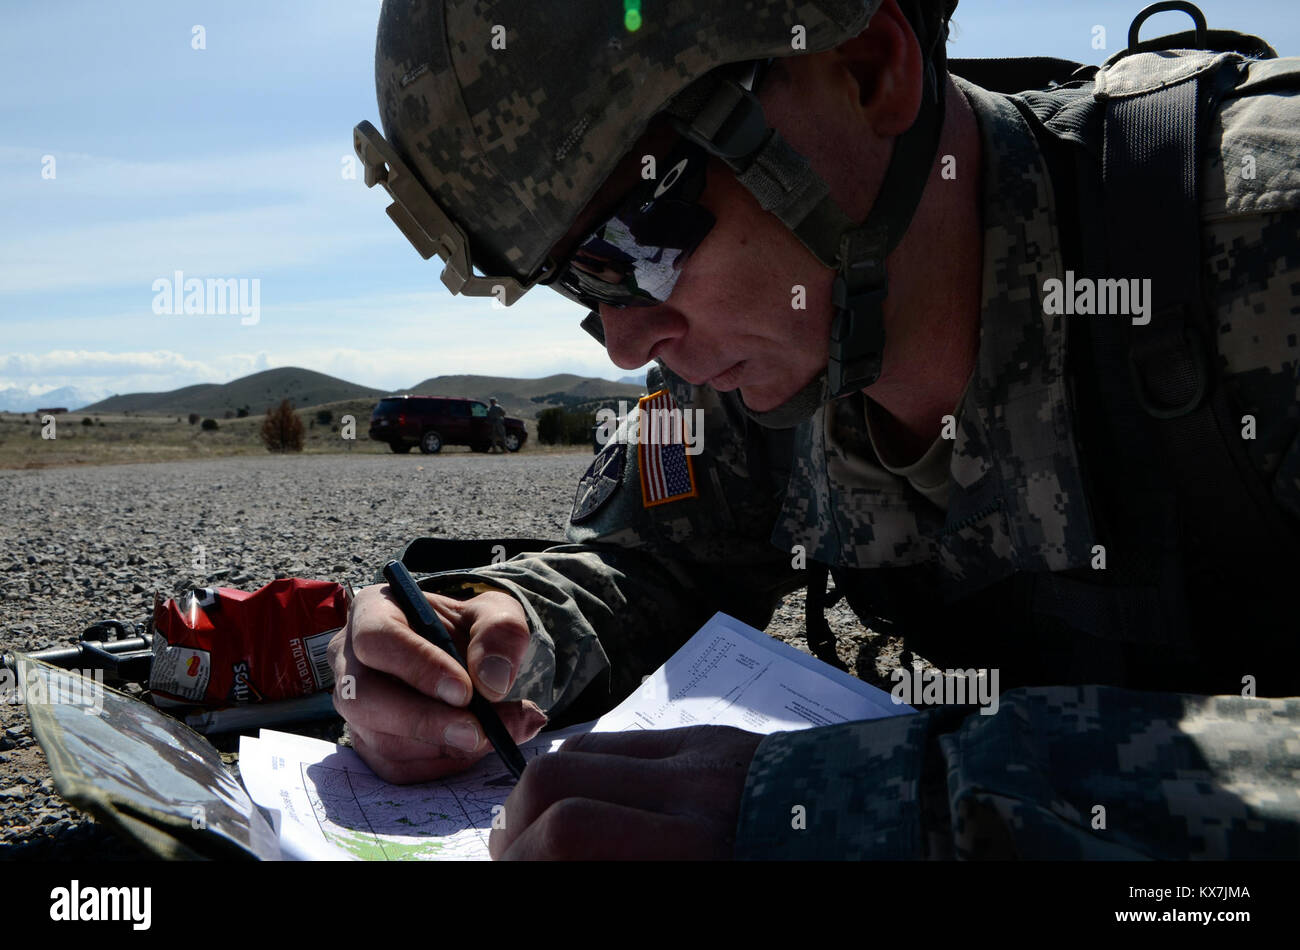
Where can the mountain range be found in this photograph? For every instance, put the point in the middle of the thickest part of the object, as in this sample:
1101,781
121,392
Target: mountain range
14,399
306,388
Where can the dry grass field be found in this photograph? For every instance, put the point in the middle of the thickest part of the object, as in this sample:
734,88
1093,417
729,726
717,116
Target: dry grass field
112,438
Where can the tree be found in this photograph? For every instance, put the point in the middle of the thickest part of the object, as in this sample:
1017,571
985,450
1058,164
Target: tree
550,426
194,418
556,426
209,425
282,429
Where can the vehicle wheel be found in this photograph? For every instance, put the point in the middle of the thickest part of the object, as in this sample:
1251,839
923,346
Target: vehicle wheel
401,448
430,443
512,442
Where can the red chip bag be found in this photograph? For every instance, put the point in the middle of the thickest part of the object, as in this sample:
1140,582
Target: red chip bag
221,647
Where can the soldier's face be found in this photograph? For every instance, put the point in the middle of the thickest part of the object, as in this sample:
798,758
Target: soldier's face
751,309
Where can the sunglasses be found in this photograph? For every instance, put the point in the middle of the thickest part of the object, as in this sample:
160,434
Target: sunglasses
635,257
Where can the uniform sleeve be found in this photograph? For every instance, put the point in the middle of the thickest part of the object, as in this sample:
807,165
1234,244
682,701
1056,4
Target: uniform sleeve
1056,772
637,581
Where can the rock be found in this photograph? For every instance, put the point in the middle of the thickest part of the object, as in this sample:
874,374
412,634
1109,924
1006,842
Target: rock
16,732
13,792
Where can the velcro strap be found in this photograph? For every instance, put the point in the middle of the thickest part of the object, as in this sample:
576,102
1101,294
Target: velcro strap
783,182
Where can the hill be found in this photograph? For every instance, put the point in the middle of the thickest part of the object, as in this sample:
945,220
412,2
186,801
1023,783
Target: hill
527,397
304,387
307,388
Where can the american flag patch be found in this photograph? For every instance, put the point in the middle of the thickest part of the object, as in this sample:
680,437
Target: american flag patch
666,472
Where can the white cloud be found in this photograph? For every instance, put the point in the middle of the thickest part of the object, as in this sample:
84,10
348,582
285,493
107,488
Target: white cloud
156,371
84,363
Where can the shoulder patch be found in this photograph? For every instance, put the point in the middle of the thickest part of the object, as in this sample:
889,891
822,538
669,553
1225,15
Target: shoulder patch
601,480
665,466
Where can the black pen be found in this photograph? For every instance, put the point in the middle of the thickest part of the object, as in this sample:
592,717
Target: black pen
426,623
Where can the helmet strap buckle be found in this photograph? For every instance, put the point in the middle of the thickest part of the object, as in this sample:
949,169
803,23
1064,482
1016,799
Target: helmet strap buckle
858,295
857,338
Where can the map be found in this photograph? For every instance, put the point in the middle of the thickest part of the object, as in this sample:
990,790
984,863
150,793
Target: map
373,820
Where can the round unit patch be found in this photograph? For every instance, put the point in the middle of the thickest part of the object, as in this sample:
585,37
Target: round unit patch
599,483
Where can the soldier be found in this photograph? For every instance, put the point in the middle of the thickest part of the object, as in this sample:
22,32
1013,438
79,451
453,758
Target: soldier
497,419
883,287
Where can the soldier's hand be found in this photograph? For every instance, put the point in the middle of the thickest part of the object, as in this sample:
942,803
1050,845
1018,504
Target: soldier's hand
660,795
404,699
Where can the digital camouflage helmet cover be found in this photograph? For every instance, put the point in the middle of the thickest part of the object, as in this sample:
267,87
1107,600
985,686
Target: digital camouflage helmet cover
502,120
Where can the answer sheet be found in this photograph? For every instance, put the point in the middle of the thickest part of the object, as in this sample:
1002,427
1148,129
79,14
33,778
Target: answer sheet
327,805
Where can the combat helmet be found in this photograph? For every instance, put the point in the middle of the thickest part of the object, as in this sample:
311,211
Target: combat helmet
502,120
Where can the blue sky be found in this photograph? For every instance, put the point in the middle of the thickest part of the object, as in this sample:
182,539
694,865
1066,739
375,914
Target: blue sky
227,162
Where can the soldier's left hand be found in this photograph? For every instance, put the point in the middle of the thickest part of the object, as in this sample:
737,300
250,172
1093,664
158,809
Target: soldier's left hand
658,795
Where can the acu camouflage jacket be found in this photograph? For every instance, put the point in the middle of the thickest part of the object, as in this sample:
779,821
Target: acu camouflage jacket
1174,775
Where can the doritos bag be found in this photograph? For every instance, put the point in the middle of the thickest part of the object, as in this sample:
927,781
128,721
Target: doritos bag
223,647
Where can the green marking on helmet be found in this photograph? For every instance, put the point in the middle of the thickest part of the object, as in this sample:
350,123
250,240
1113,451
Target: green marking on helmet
632,20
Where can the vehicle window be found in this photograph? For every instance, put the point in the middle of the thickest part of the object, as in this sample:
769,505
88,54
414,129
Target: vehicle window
478,410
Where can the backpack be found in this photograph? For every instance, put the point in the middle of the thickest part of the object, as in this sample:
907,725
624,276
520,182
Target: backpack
1199,553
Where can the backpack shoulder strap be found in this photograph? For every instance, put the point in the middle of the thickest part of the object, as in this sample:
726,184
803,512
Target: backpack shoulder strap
1154,120
1176,499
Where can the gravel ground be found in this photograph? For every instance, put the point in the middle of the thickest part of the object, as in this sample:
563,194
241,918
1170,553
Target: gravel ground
84,544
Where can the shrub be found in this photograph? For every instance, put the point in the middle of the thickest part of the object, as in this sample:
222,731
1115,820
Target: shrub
228,414
209,425
557,426
324,416
550,426
241,412
87,421
282,429
194,418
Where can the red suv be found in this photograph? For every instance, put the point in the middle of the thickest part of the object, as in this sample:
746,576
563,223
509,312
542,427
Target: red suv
434,421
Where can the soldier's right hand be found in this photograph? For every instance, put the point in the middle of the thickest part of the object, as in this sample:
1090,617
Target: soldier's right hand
404,699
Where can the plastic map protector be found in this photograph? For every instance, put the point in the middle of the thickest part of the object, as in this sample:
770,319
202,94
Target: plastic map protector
304,799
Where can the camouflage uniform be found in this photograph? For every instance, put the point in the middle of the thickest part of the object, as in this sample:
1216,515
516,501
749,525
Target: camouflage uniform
497,419
1063,771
